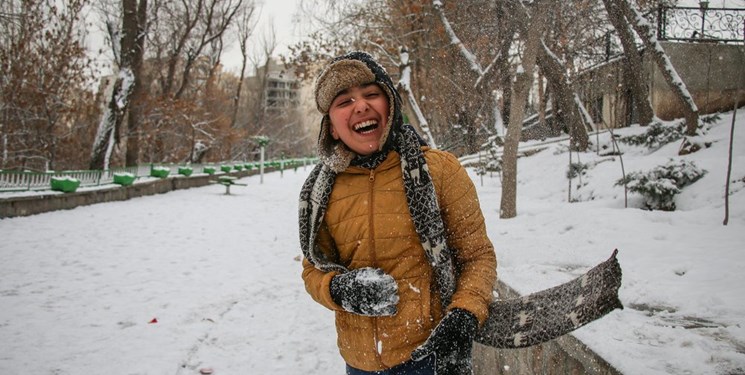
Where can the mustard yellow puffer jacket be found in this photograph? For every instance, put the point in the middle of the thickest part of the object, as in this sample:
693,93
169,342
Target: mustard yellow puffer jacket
367,224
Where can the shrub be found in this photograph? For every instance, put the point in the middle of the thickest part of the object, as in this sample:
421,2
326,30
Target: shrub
576,169
659,134
656,136
660,185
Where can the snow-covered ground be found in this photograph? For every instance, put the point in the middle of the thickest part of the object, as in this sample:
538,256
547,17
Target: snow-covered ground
192,279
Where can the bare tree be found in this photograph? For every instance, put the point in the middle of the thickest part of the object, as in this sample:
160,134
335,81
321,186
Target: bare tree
633,68
404,85
44,75
246,26
179,19
557,71
261,59
564,96
676,84
215,18
139,91
131,50
736,104
520,90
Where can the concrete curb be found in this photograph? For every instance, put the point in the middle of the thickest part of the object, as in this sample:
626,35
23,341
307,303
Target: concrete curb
52,201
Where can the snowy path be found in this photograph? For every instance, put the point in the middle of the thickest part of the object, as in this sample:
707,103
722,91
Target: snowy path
79,287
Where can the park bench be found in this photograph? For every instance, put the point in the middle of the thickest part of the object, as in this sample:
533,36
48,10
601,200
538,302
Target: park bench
227,181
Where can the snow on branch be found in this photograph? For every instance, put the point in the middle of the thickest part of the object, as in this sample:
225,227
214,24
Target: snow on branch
583,111
470,57
645,29
488,68
405,84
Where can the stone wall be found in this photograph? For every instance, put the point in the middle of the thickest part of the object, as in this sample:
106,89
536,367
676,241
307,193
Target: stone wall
713,73
52,200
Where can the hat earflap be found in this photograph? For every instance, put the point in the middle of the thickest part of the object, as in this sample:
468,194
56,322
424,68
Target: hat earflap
332,152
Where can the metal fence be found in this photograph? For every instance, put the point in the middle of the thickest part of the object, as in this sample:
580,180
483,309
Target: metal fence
25,180
31,181
702,24
684,24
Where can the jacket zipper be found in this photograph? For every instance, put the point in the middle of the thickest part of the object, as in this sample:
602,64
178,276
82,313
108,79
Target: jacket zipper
374,261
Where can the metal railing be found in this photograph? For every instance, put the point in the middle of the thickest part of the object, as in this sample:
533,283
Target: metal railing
25,180
688,24
13,181
702,24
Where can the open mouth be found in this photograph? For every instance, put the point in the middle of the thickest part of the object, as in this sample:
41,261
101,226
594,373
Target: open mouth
366,127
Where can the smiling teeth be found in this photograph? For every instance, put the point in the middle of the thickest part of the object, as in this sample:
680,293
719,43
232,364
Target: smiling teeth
364,124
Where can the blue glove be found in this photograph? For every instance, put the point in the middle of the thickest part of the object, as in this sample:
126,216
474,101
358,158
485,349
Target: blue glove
365,291
451,342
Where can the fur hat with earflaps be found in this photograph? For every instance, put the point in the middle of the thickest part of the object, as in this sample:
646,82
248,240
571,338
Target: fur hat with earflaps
343,72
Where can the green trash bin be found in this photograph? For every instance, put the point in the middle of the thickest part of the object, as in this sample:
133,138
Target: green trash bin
186,171
160,172
65,184
124,179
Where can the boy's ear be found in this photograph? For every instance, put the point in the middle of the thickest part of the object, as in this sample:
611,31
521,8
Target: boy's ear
333,133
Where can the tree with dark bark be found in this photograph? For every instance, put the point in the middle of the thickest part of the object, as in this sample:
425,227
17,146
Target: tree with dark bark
634,76
131,49
564,95
139,92
647,34
216,16
246,26
521,88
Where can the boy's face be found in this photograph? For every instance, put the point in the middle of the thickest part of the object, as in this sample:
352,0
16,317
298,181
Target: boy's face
359,116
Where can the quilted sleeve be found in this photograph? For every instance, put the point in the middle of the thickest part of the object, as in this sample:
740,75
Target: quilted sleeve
317,282
475,259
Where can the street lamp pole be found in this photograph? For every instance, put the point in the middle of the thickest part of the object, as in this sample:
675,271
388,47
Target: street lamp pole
703,5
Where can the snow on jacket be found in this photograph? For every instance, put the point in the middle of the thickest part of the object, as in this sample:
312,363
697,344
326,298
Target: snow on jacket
367,224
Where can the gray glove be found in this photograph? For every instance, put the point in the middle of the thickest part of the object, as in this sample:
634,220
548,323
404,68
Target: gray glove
365,291
452,343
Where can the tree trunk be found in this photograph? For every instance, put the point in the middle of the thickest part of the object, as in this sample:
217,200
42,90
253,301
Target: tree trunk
678,87
245,29
108,129
237,96
505,80
521,89
634,68
138,91
542,100
409,100
562,89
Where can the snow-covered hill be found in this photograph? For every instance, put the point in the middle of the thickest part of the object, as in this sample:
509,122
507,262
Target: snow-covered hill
683,286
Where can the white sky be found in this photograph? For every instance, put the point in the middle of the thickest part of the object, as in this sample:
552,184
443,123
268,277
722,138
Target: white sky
277,12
